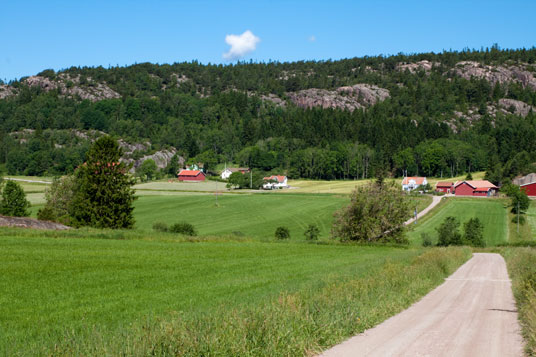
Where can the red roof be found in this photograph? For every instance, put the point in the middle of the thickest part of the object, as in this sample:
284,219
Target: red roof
479,184
279,178
189,173
444,184
418,180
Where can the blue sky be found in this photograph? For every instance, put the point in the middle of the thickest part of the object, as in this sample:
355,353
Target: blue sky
35,35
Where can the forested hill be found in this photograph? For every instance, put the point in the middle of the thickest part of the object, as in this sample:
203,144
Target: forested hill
429,114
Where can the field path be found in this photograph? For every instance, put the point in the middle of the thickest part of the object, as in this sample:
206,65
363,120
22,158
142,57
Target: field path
472,313
435,202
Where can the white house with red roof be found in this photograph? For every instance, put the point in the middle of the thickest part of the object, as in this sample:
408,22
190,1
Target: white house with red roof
275,181
411,183
481,188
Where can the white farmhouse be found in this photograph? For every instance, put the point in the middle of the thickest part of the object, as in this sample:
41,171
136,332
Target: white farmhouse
275,181
411,183
228,171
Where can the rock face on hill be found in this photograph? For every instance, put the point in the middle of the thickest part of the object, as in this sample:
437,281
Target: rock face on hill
348,97
69,86
415,67
496,74
161,158
516,106
25,222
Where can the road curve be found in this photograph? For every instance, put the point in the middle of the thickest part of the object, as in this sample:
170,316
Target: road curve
472,313
435,202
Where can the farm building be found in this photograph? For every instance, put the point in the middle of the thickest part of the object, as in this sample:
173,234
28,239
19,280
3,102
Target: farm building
191,175
228,171
445,186
529,188
481,188
527,184
411,183
275,181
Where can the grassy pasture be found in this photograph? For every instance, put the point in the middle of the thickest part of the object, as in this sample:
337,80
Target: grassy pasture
491,212
93,293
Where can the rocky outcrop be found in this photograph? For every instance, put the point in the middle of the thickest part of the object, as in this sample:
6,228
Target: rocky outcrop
273,99
516,107
25,222
415,67
128,149
348,97
7,91
68,86
161,158
496,74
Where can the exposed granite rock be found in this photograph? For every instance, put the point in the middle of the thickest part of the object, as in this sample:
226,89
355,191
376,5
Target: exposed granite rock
496,74
530,178
348,97
518,107
417,66
161,158
128,149
7,91
274,99
68,86
25,222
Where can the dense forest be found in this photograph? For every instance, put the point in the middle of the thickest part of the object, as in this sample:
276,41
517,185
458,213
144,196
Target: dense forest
444,114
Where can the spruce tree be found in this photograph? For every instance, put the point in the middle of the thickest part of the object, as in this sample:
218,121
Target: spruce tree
14,201
103,194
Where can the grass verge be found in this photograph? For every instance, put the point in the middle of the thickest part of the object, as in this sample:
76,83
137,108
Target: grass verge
522,270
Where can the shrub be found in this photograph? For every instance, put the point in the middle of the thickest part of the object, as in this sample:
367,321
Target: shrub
312,232
183,228
377,212
282,233
14,201
46,214
160,227
473,233
58,197
426,239
449,233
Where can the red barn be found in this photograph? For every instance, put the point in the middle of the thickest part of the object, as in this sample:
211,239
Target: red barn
191,175
475,188
444,186
529,188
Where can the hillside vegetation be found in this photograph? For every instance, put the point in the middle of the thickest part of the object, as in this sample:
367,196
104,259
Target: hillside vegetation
429,114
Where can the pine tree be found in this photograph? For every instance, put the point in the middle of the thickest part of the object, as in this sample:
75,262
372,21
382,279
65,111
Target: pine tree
14,201
103,194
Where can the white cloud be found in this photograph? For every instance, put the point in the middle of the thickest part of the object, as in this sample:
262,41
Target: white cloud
240,45
312,38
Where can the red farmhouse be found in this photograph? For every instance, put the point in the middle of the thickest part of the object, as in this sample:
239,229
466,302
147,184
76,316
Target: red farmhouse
475,188
191,175
443,186
529,188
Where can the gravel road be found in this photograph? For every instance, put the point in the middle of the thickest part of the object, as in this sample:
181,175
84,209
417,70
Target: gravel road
472,313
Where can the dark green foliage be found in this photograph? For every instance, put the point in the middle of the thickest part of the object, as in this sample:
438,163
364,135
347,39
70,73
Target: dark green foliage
426,239
375,213
14,201
473,233
147,170
312,232
469,177
103,194
183,228
282,233
448,232
160,227
519,201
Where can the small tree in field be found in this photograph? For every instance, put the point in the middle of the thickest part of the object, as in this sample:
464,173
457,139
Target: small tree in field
377,212
282,233
473,233
59,197
103,194
14,201
449,233
312,232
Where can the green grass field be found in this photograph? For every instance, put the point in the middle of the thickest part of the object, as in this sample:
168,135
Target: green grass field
491,212
58,290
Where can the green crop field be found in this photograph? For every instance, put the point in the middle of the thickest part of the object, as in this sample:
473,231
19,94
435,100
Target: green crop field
253,215
491,212
81,291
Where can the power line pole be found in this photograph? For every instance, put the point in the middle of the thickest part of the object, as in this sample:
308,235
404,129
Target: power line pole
517,217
